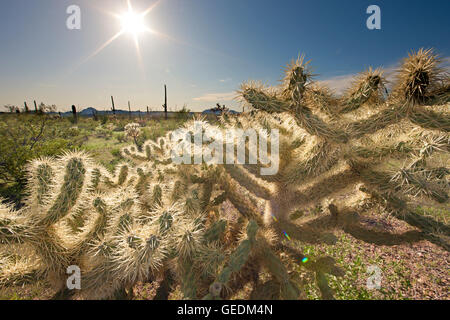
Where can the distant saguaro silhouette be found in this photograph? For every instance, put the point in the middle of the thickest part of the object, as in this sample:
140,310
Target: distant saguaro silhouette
74,112
113,107
165,102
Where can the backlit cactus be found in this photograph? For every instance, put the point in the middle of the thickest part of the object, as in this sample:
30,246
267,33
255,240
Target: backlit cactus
154,220
329,152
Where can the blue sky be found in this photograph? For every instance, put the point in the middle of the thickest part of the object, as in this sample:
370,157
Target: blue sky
211,47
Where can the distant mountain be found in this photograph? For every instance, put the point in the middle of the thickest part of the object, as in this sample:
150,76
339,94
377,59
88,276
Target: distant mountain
88,112
218,112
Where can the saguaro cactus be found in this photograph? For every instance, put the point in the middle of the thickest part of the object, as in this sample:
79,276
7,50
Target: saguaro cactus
74,113
113,109
165,102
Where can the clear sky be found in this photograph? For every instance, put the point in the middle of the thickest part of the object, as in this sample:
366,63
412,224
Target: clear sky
209,47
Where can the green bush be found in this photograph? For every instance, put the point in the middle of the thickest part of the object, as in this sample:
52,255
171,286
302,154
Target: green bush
26,137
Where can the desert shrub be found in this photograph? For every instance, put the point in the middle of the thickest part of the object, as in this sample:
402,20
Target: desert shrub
25,138
102,132
133,130
184,113
103,119
121,137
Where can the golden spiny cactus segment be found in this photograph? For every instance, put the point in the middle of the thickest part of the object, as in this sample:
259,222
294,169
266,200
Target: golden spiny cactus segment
321,98
313,163
418,74
261,98
297,77
368,86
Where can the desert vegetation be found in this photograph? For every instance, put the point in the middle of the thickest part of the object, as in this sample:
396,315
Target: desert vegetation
136,222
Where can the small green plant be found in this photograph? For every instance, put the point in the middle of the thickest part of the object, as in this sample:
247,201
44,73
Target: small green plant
103,119
121,137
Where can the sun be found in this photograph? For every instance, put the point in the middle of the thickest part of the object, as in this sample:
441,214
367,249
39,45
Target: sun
133,23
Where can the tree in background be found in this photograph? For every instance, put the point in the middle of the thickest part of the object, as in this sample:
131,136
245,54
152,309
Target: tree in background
133,130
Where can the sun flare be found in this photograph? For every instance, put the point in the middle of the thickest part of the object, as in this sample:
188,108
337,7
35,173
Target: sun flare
132,23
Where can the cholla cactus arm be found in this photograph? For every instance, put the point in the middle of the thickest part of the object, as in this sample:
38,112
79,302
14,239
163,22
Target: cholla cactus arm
419,181
157,195
297,77
69,192
138,251
215,231
380,186
408,180
399,208
318,127
258,188
237,260
388,116
383,150
14,227
392,114
188,280
440,95
255,169
367,86
320,98
219,199
322,283
96,178
289,290
431,119
18,270
321,157
242,204
332,182
123,174
207,189
179,190
149,152
417,75
98,229
142,185
40,181
261,98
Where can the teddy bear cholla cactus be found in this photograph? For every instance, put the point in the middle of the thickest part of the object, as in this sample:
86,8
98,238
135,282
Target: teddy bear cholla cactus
144,222
217,182
78,214
323,157
313,170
